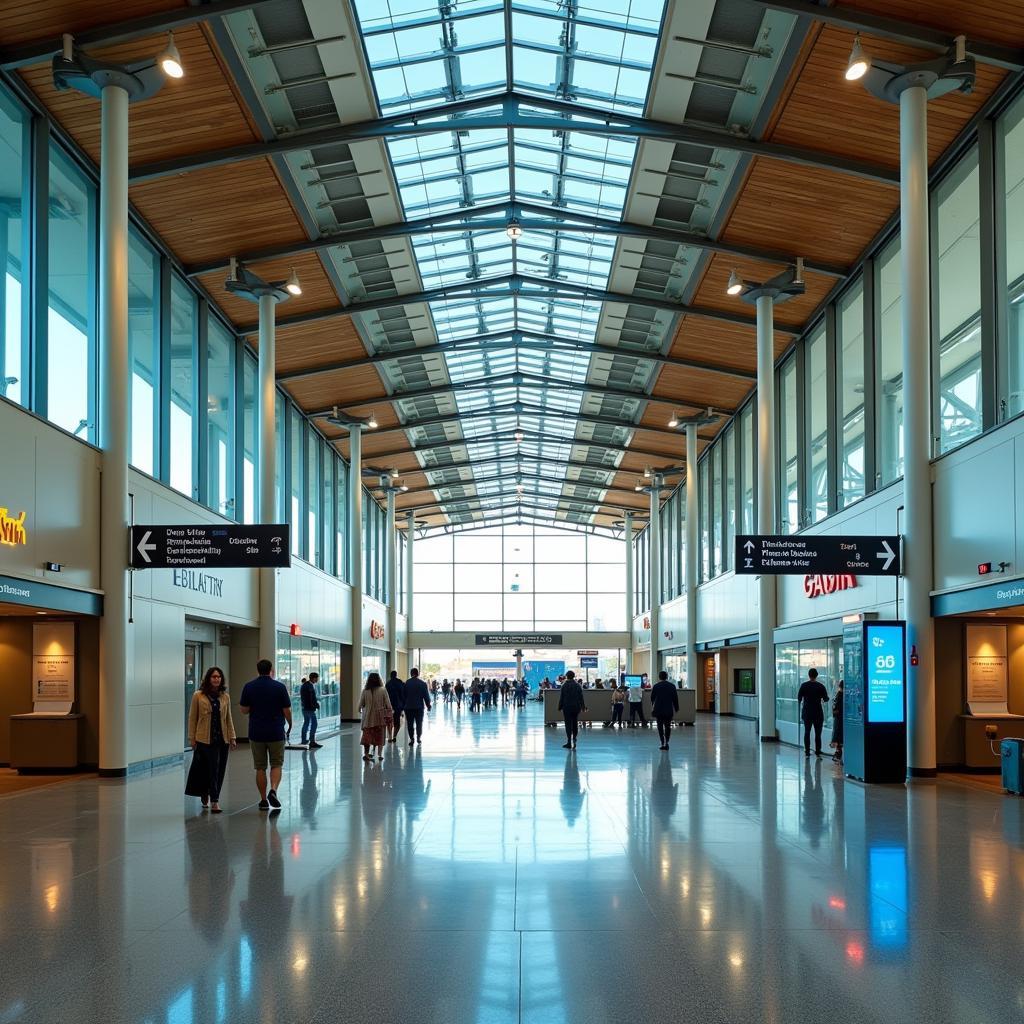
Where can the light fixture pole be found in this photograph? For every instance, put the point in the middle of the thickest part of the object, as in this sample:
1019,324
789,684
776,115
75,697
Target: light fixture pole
116,86
654,541
410,531
911,87
630,588
267,294
390,489
765,296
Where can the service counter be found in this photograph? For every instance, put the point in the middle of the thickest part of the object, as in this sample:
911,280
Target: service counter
978,747
599,707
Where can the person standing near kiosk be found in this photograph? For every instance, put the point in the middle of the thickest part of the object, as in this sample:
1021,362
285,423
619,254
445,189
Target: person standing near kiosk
812,698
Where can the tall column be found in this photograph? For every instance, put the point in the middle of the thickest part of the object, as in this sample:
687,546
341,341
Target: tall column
350,692
766,514
267,448
654,539
917,490
630,590
691,555
390,556
519,665
410,533
114,430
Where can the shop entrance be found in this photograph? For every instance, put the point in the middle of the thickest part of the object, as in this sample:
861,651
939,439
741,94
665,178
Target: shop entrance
193,673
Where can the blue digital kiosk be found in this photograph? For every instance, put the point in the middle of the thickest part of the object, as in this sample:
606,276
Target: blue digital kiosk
875,701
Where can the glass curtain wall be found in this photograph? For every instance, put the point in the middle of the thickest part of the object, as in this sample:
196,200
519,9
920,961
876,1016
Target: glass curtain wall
220,420
792,663
14,235
1010,214
144,351
790,519
889,360
850,397
183,387
816,425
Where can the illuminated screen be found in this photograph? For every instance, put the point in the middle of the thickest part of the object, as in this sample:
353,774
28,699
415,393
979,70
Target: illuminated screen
886,676
632,680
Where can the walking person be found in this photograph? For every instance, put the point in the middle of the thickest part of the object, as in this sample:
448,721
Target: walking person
812,698
571,703
837,722
618,705
417,698
211,734
310,706
396,694
635,699
269,708
460,692
474,691
664,705
375,714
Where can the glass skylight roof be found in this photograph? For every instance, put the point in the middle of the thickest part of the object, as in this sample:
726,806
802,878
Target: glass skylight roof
580,54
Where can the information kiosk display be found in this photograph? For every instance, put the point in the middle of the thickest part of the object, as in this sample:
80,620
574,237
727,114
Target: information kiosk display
875,701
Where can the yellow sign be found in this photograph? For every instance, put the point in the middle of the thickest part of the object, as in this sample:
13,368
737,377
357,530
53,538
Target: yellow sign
12,531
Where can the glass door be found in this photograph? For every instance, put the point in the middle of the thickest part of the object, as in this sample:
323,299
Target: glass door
193,673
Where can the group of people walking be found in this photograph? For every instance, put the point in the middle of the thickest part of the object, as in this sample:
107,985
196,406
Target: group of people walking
483,694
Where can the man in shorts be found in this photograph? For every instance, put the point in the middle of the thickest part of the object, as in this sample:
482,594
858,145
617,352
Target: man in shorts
269,707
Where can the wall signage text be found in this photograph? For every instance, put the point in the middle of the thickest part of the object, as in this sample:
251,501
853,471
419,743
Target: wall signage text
376,631
200,582
12,529
819,585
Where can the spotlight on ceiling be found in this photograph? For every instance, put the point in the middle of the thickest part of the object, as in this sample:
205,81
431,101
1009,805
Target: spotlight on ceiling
735,285
674,422
170,59
514,230
639,486
859,62
403,487
292,286
372,422
393,473
647,472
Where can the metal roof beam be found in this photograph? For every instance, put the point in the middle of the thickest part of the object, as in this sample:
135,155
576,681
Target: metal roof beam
539,478
532,217
909,32
508,110
519,457
481,503
38,50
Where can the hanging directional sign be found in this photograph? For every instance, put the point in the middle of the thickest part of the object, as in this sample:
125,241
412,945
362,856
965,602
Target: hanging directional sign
209,546
518,639
781,555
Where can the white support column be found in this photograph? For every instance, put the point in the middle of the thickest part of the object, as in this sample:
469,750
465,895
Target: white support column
917,488
519,665
691,555
766,514
654,541
630,589
114,430
351,687
267,448
391,559
410,532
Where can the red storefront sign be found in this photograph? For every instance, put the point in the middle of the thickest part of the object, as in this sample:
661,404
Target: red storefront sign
819,585
376,631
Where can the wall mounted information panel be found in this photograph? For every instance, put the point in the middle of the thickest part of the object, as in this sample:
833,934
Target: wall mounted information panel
785,555
518,639
209,546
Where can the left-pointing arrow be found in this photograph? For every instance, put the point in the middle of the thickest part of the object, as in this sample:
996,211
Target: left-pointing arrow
144,547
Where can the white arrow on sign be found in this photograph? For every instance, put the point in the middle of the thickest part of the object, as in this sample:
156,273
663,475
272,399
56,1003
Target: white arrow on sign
888,554
749,545
144,547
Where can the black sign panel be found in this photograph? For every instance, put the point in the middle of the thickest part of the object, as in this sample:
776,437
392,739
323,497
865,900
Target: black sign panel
518,639
781,555
208,546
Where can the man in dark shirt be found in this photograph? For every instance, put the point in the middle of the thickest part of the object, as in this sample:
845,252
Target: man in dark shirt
812,698
571,702
396,694
310,706
664,704
417,698
269,707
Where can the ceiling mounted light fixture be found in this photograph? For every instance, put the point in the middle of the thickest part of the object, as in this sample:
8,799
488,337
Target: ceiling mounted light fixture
292,286
735,285
170,59
647,472
514,230
859,62
674,422
372,422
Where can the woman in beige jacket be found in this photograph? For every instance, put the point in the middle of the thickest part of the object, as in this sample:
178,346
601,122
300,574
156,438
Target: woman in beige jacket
376,714
211,733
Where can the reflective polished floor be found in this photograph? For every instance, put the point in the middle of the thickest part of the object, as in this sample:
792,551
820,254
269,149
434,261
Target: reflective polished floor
491,876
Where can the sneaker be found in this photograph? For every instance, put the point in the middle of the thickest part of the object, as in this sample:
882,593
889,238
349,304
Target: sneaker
314,745
273,800
264,805
567,746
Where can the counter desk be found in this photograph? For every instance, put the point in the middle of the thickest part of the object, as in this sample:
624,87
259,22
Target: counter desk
599,707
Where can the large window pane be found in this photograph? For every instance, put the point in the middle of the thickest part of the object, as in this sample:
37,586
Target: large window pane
705,520
606,611
328,504
729,509
182,387
889,291
958,287
477,577
313,497
747,462
220,419
850,377
14,233
144,350
789,499
295,427
71,356
249,416
1011,142
341,521
816,419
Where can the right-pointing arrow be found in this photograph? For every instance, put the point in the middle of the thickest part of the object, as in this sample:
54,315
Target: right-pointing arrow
888,554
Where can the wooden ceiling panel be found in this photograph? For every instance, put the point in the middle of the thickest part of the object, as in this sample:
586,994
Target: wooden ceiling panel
28,20
1001,20
703,387
671,447
317,290
714,341
197,112
793,312
212,215
317,343
341,387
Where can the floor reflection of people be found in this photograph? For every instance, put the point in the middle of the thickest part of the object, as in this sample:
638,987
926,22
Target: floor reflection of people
211,879
813,803
413,793
664,792
310,793
572,796
266,910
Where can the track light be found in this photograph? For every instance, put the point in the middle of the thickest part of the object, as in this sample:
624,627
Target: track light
647,472
393,473
292,286
372,422
859,62
674,422
735,285
639,486
170,59
798,271
403,487
514,230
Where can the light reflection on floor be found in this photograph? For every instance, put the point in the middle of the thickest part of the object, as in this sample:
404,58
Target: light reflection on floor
492,876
